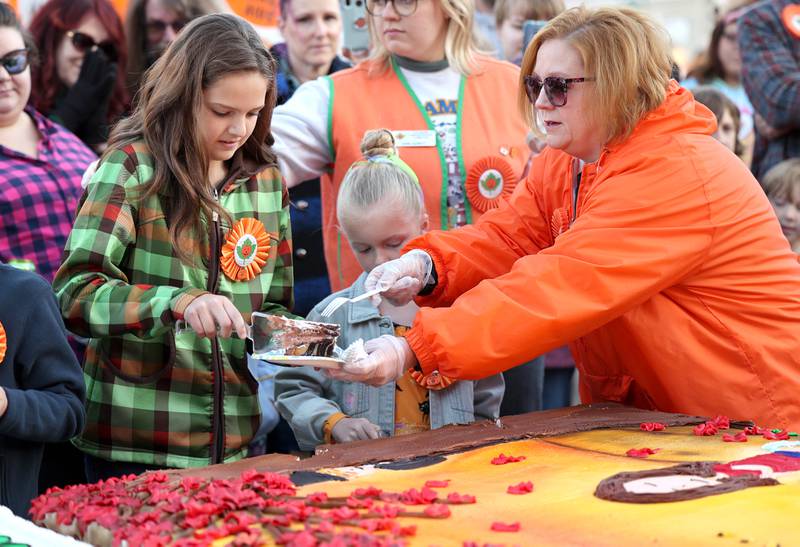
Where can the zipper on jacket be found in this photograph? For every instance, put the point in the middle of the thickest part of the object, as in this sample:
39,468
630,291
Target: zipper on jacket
577,172
218,422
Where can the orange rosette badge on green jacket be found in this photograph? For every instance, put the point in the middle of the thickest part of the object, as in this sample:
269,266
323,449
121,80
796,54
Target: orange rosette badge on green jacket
489,179
246,250
3,343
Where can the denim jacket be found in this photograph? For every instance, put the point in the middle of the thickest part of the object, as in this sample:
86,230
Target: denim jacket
307,398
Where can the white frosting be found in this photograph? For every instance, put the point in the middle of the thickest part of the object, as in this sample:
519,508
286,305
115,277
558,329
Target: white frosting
25,532
355,352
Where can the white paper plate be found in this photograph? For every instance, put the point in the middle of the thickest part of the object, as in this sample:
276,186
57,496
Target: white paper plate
302,361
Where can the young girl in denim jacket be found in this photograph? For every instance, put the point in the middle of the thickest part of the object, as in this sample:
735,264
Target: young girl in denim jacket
379,209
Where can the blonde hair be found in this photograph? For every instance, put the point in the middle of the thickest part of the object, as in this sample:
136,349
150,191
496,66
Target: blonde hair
626,53
539,10
369,182
782,182
460,44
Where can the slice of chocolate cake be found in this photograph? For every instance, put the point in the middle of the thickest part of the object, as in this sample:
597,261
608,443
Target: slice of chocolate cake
297,337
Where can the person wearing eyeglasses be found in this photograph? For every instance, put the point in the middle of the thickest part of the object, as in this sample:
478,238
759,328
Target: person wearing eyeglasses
450,109
80,82
637,237
152,25
41,164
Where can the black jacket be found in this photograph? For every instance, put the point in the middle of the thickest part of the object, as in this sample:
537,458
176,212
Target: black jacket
42,380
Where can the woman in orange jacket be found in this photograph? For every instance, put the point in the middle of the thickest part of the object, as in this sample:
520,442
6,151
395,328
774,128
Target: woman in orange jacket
637,237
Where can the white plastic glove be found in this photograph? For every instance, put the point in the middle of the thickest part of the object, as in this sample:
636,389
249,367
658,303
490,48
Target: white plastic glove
354,429
388,357
401,279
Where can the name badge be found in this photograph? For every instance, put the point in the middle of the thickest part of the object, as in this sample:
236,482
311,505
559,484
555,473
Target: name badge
414,138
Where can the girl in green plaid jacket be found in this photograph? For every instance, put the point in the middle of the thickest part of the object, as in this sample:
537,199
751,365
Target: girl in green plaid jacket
185,218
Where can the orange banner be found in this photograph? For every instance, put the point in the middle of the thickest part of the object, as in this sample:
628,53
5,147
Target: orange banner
262,13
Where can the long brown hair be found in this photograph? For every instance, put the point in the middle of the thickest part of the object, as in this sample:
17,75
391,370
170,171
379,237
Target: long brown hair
165,116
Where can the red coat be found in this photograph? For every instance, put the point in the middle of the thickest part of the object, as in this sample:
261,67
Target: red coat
673,283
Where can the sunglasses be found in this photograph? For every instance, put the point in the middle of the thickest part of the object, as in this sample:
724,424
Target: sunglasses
555,88
15,61
156,27
84,42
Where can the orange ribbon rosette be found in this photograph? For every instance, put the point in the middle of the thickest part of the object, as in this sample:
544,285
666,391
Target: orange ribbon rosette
489,179
434,380
791,19
3,343
246,250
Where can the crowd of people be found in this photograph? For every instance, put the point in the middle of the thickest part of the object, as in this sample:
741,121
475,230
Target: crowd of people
526,210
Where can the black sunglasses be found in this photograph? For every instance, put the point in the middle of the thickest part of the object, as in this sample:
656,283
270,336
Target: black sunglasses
84,42
555,88
15,61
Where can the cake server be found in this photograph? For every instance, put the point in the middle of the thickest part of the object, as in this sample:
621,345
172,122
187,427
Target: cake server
259,332
266,347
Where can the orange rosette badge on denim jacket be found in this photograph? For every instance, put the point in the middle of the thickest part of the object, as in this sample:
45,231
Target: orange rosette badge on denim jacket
489,179
3,343
246,250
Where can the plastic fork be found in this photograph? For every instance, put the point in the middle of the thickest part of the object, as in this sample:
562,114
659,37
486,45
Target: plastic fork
340,301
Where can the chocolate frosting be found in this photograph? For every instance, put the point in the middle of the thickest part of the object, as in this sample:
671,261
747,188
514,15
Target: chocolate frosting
451,439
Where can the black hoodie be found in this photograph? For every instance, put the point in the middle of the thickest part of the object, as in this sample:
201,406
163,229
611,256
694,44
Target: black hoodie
42,382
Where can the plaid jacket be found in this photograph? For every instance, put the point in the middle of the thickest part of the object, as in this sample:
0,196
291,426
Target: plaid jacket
38,196
153,397
770,68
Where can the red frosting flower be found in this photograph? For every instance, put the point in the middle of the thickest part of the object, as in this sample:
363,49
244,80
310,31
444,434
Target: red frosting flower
740,437
652,426
437,484
780,435
706,429
755,430
722,422
437,511
641,452
459,499
521,488
502,459
503,527
418,497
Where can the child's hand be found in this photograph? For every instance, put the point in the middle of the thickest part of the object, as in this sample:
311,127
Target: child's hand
401,279
210,315
354,429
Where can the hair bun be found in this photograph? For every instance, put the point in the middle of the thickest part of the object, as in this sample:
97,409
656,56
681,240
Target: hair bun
377,142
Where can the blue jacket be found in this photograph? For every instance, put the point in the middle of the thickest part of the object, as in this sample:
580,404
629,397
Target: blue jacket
306,397
42,380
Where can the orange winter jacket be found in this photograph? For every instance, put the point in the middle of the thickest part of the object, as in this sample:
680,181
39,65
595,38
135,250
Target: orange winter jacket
669,277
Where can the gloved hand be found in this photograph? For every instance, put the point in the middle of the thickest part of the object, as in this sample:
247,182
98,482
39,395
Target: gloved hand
90,93
388,358
354,429
401,279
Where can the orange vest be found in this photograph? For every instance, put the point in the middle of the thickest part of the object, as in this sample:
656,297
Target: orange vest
492,144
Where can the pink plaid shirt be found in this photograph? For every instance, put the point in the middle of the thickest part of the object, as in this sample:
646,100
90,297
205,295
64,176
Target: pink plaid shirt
39,196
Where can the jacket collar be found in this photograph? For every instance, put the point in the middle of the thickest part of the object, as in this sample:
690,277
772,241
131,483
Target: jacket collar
363,310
